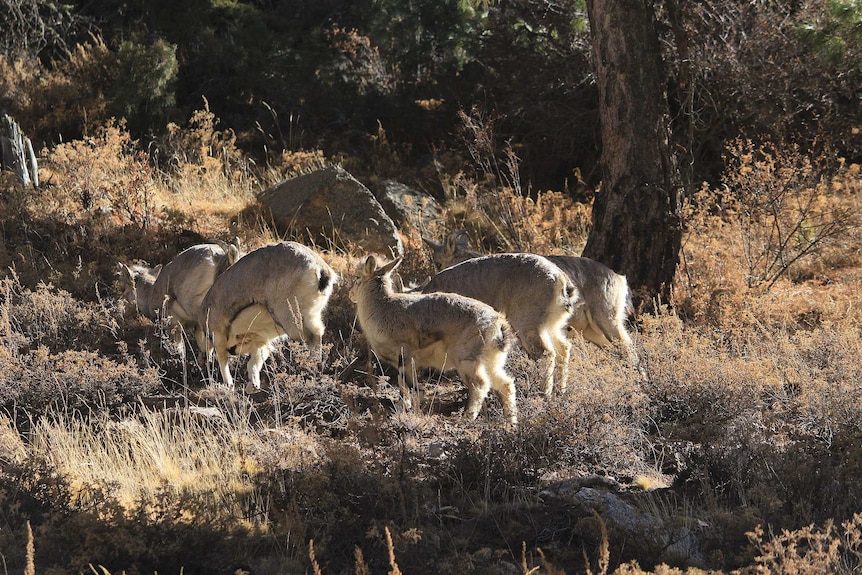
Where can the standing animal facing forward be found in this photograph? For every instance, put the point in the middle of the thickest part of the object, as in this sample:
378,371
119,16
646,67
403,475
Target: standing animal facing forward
535,296
607,302
438,330
176,290
274,291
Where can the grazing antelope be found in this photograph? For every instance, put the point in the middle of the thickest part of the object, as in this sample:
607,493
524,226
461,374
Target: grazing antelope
607,302
438,330
176,290
274,291
535,296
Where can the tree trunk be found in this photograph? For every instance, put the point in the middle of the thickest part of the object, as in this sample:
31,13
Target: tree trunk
637,215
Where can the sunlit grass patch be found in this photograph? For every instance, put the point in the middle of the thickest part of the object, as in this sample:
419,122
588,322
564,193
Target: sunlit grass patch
176,455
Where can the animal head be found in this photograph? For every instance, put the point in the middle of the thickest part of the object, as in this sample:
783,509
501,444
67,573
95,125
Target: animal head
371,270
454,249
233,250
136,282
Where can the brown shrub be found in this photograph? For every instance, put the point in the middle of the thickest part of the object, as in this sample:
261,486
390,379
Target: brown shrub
780,216
68,99
35,383
51,318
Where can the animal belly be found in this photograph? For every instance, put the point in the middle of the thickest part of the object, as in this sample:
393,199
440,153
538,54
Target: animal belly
434,356
253,328
579,320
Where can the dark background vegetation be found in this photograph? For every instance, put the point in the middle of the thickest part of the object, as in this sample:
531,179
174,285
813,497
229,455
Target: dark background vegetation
290,75
156,122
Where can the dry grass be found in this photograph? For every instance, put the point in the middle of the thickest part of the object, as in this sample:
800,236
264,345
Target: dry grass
745,429
183,453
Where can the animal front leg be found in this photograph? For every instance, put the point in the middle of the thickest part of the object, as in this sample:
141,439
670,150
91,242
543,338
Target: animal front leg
406,380
204,347
255,364
504,386
546,368
223,358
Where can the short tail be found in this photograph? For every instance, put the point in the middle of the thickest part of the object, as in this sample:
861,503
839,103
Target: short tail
325,280
231,252
505,337
570,295
624,296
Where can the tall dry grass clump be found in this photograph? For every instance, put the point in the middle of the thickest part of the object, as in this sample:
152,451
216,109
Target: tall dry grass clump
199,461
206,172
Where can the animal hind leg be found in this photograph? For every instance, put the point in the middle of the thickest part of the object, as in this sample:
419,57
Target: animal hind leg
548,361
614,329
313,336
563,352
504,386
539,347
478,385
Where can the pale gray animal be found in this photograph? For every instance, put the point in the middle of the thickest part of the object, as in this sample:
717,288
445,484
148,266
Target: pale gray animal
275,291
535,296
176,290
607,302
438,330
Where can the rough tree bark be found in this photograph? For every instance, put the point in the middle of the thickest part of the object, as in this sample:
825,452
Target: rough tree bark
637,215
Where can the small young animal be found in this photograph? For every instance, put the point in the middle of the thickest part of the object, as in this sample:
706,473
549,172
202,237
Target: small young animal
535,296
274,291
607,302
176,290
438,330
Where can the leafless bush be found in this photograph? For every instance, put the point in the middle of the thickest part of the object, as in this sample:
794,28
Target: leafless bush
30,26
811,549
785,207
787,69
499,214
51,318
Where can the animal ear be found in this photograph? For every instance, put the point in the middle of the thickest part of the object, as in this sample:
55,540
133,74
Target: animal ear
451,246
431,243
235,248
390,266
370,267
126,275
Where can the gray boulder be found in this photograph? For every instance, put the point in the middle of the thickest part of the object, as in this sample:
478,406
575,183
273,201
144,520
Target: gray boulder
406,205
672,540
331,206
